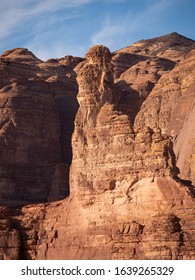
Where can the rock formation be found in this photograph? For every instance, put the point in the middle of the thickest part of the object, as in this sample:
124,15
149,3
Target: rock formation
133,129
106,148
37,110
10,241
172,110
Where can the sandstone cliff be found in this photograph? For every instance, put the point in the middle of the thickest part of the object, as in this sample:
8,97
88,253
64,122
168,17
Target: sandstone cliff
133,129
37,110
170,107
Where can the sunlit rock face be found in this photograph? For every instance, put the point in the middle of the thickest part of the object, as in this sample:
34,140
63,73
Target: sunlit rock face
107,149
131,159
170,106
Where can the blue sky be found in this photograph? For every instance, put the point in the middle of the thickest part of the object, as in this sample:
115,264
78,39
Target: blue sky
55,28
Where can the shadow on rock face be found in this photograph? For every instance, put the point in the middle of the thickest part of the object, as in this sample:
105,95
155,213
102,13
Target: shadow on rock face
38,105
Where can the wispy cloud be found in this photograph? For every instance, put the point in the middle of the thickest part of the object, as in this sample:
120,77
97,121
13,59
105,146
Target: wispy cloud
131,23
109,31
55,28
35,18
14,13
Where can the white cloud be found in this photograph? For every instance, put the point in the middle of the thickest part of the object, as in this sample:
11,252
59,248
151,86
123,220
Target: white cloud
14,13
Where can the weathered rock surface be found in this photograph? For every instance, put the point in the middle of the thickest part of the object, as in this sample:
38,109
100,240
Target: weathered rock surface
116,224
172,46
66,61
138,67
167,101
127,198
10,240
170,106
37,109
106,148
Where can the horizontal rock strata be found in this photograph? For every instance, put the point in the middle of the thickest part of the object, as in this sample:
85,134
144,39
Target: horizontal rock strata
133,129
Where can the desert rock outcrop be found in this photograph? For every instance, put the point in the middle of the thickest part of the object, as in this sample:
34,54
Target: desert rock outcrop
170,106
133,129
37,109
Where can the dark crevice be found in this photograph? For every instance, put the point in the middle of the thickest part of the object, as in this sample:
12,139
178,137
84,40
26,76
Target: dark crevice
187,184
67,106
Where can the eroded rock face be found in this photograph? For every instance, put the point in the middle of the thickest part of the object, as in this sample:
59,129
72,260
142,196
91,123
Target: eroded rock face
172,46
122,180
37,109
10,239
139,67
126,199
106,148
170,106
160,97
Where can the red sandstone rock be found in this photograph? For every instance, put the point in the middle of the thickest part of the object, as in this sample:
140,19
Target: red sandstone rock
37,109
126,199
170,106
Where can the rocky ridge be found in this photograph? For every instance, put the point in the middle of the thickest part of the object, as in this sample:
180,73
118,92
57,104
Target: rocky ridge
127,198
